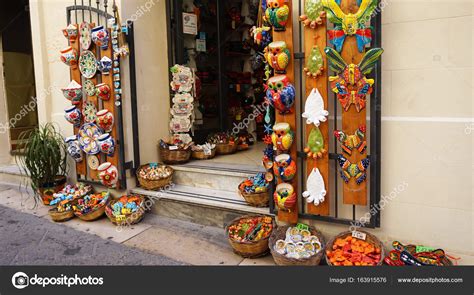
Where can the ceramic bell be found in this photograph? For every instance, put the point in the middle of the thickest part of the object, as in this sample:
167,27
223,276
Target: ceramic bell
284,167
73,92
282,137
73,115
105,120
277,56
276,14
105,64
106,144
108,174
73,149
103,91
69,57
280,93
71,32
285,196
100,37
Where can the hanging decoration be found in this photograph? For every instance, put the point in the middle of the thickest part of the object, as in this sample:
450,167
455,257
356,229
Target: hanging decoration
284,167
73,92
285,196
314,111
314,14
276,14
69,57
85,35
351,170
261,36
350,142
315,144
315,64
70,32
277,56
88,64
282,137
351,85
280,93
315,189
349,24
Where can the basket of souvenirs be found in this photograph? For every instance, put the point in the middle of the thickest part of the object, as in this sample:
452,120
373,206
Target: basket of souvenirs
354,248
226,143
417,255
126,210
255,190
174,153
300,245
92,206
248,235
65,199
203,151
154,176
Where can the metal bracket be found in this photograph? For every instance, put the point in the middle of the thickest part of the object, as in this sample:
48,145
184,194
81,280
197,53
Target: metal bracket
301,155
298,55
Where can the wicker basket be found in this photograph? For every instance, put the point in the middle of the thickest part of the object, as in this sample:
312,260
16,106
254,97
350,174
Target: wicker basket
249,249
60,216
256,199
153,184
369,238
280,259
200,155
225,148
93,215
130,219
174,156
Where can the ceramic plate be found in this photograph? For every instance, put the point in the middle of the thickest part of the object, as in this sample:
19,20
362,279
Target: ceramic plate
89,88
89,112
87,137
87,64
85,32
93,162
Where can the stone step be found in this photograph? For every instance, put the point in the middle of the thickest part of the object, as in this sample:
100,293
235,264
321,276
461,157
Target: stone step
208,207
11,175
212,175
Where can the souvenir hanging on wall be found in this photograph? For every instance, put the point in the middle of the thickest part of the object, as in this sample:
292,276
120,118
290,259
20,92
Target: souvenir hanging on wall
353,141
314,14
315,189
73,92
280,93
87,64
183,79
285,196
276,14
261,36
315,144
284,167
85,35
282,137
69,57
71,32
349,24
277,56
315,64
353,170
314,111
351,85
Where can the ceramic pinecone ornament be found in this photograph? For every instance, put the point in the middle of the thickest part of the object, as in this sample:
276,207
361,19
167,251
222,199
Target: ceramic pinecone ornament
315,64
314,14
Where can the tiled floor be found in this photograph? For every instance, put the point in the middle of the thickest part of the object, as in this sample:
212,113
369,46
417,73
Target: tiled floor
252,156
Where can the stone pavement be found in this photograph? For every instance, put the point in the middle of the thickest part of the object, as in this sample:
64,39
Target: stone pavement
29,237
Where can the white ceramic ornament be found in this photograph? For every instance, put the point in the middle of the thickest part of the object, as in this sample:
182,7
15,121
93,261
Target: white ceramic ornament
314,111
315,188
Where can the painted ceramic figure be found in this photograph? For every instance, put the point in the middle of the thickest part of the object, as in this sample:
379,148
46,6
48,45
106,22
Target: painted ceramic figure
276,14
285,196
282,137
73,149
354,141
105,120
315,145
71,32
315,64
73,115
277,56
284,167
315,189
314,13
105,64
261,36
103,91
314,111
351,85
106,144
69,56
100,37
73,92
350,24
350,170
280,93
108,174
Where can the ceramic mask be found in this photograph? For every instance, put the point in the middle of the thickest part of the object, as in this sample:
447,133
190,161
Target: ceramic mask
73,149
108,174
71,32
284,167
315,189
282,136
106,144
277,56
314,111
100,37
350,170
73,115
315,64
280,93
354,141
285,196
276,14
105,120
69,57
73,92
314,14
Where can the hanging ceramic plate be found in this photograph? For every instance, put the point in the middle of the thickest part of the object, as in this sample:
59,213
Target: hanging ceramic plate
87,64
85,32
89,112
87,137
89,88
93,162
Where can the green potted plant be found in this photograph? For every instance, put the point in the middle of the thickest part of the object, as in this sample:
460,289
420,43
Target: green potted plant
43,160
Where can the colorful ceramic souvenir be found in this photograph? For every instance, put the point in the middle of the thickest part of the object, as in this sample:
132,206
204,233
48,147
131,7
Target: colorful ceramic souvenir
280,93
267,160
261,36
87,137
314,111
180,123
349,170
73,149
106,144
315,64
181,109
100,37
254,184
314,13
73,92
277,56
105,120
354,141
87,64
85,38
276,14
351,85
89,88
315,189
73,115
70,32
183,98
282,137
285,196
284,167
105,64
89,112
315,145
350,24
103,91
93,162
69,56
108,174
183,79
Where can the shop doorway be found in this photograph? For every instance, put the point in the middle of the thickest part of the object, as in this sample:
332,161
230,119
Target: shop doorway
18,71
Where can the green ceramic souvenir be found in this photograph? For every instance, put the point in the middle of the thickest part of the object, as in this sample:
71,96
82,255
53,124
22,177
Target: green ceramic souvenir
313,13
315,64
315,146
